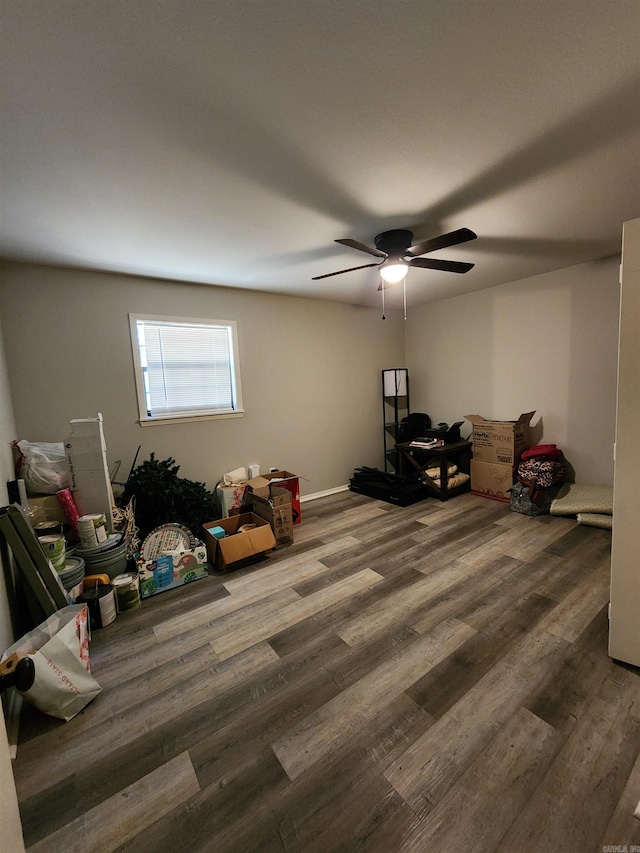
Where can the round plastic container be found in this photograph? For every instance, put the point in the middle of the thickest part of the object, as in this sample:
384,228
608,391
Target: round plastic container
48,528
114,540
72,577
109,559
127,591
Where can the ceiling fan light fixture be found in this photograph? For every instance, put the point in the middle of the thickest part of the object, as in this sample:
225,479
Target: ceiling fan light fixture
398,254
393,273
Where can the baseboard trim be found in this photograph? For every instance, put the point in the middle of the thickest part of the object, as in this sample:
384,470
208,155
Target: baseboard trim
324,494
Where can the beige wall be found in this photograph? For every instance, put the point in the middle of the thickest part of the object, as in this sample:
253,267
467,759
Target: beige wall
9,816
624,631
310,373
310,370
7,434
547,343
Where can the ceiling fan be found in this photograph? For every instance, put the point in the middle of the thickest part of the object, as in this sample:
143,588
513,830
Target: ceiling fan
397,253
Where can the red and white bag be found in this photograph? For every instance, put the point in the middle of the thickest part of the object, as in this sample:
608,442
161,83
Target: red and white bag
59,648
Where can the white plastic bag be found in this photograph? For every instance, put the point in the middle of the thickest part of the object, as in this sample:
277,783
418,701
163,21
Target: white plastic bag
43,466
59,648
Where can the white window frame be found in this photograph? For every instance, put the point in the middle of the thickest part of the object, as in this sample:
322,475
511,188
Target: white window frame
236,387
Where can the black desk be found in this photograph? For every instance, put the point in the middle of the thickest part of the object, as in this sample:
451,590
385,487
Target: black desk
458,453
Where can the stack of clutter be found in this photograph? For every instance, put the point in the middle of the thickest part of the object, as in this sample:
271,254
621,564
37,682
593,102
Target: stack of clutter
109,557
539,475
497,448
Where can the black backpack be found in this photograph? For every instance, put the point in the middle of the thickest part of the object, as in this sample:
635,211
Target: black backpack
413,426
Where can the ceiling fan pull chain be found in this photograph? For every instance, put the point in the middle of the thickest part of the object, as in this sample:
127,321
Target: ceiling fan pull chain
404,294
382,283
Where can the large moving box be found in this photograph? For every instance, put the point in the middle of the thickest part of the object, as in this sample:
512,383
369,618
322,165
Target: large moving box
499,441
491,480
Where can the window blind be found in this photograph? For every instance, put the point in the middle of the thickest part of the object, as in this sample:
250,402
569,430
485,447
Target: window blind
188,368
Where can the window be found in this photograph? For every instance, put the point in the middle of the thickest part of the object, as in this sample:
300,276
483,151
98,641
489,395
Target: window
185,368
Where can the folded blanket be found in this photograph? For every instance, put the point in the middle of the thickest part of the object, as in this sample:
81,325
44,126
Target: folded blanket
582,497
595,519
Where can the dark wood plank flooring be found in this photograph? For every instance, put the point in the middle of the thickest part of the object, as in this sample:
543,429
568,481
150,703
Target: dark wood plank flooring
429,678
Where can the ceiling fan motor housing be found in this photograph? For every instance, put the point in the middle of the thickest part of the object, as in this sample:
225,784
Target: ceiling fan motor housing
395,243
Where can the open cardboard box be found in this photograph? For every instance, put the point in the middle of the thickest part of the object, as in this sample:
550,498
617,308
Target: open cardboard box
258,486
238,549
291,482
276,509
500,441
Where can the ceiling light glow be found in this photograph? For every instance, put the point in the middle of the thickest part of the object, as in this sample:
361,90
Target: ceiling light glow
393,273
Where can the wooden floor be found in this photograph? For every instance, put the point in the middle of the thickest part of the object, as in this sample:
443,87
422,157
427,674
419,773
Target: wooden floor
433,678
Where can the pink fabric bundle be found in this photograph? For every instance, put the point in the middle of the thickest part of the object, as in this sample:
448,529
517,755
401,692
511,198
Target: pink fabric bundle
549,451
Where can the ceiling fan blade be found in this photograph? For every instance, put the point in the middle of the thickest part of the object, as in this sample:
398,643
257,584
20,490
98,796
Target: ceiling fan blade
445,266
355,244
453,238
339,272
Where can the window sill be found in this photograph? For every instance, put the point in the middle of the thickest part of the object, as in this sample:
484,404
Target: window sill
188,419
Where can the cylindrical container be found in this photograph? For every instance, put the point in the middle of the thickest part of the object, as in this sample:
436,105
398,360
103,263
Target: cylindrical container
92,529
101,603
54,548
110,558
127,590
48,528
72,577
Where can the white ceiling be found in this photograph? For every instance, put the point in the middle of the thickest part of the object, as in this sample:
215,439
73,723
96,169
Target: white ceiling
230,142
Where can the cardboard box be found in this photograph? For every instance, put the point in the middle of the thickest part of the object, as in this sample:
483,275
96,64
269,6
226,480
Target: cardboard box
46,508
491,480
230,497
500,441
276,509
291,482
86,452
171,570
238,549
258,486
